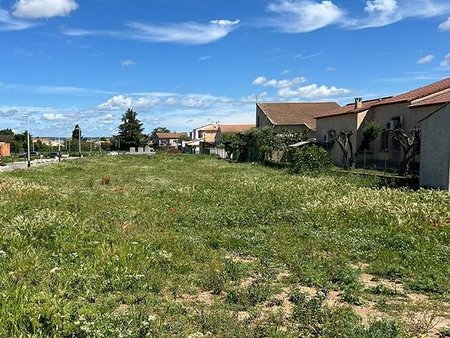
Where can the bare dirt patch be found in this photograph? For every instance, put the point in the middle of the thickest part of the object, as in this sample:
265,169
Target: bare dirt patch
205,297
238,258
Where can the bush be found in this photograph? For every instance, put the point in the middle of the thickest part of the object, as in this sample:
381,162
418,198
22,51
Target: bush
310,160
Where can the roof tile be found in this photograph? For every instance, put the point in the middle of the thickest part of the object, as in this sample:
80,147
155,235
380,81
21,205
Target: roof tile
350,108
419,92
437,99
296,113
235,128
170,135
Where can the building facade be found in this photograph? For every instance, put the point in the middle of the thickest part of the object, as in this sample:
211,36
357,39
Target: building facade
435,149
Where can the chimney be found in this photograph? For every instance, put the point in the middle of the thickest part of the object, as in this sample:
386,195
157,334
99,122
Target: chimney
358,103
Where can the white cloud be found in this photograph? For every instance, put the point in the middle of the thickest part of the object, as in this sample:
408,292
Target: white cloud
82,32
290,89
299,16
382,12
425,59
330,69
127,63
44,8
446,61
54,90
147,101
305,57
383,6
122,102
313,91
52,116
264,82
445,26
386,12
8,23
189,33
204,58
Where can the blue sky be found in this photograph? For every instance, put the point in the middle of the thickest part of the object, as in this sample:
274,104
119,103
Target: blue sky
185,63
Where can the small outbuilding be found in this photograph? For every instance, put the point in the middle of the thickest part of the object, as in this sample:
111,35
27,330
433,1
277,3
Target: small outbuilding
435,149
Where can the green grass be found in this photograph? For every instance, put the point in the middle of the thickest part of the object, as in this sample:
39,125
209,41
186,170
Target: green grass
181,245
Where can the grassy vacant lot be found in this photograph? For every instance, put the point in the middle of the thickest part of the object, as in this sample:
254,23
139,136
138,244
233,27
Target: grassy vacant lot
185,246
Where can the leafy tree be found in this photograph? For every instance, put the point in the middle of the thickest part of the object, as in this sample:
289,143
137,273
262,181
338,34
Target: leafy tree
343,139
232,143
130,131
184,137
19,143
372,130
76,132
6,132
410,143
258,143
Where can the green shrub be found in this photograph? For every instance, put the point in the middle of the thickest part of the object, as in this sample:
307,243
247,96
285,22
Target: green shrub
310,160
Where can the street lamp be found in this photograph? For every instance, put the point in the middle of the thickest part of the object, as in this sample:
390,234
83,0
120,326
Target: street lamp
59,143
28,141
79,141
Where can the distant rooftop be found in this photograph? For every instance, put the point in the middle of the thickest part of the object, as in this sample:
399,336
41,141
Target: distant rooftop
170,135
235,128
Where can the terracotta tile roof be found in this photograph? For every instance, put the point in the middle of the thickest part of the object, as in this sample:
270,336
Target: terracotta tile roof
209,127
170,135
235,128
436,99
419,92
350,108
296,113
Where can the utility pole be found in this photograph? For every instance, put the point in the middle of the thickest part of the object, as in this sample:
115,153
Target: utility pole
28,141
59,143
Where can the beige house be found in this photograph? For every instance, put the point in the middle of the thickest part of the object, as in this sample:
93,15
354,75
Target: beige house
165,140
46,141
435,149
294,116
347,118
206,133
402,111
213,133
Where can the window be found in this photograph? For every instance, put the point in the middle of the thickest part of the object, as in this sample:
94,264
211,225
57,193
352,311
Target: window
384,140
257,121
